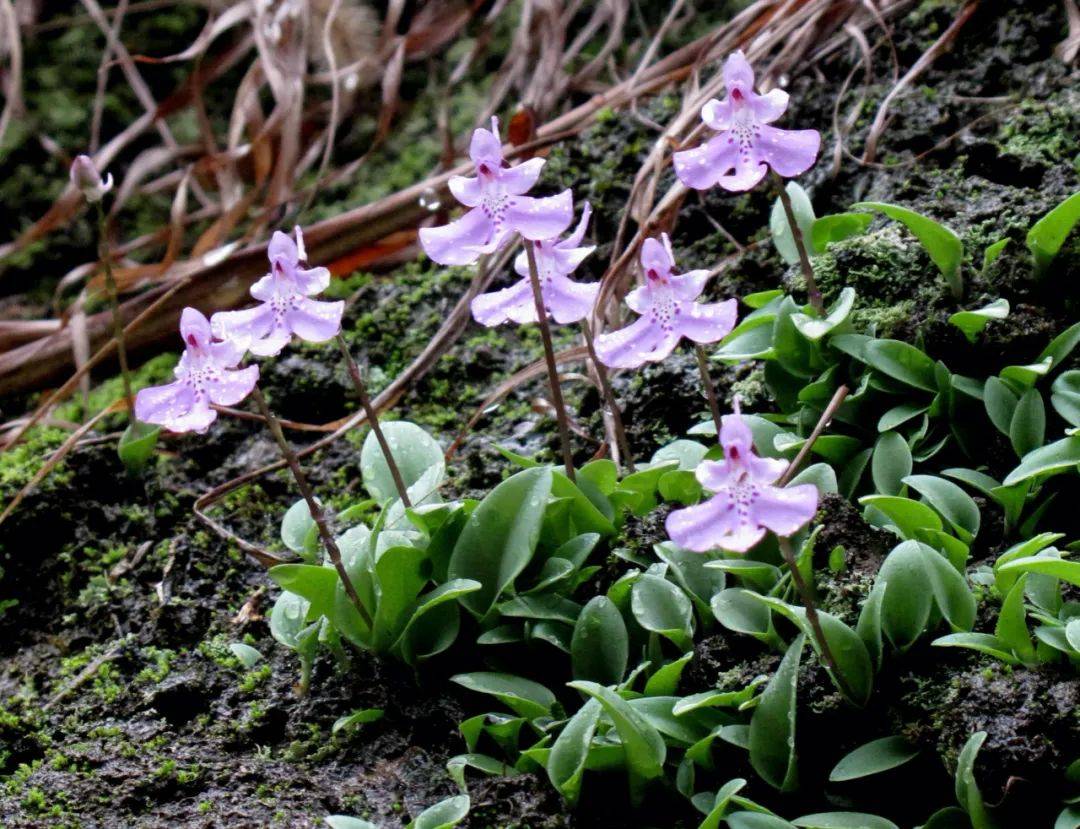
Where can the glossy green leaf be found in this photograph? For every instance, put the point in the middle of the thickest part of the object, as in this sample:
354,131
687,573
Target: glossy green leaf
772,726
756,820
737,610
967,790
566,763
361,717
983,642
500,537
688,570
1059,568
815,327
312,581
1000,402
523,696
951,592
891,463
944,246
906,515
1048,460
662,607
899,415
843,820
445,813
645,748
906,600
838,227
136,446
972,322
665,681
346,822
992,252
249,657
1028,426
954,505
873,758
299,531
1061,346
1048,234
902,361
600,647
1011,625
414,450
1065,396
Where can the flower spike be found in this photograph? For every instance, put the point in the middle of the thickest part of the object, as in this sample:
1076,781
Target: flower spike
746,147
286,307
668,311
206,374
564,299
498,205
746,503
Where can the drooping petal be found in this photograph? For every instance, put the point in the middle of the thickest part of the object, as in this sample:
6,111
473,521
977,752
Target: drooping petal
457,243
688,286
194,328
784,511
541,218
520,179
743,172
315,321
312,281
569,301
706,323
264,288
717,114
574,239
276,339
465,190
713,525
232,386
243,326
738,74
197,419
789,152
495,307
283,248
703,166
164,405
638,343
639,300
768,107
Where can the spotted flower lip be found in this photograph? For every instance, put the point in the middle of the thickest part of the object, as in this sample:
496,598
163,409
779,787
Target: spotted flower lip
285,306
746,503
206,374
498,206
738,158
668,311
86,178
564,299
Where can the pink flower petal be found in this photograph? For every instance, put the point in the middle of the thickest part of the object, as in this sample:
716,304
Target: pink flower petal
717,114
566,260
311,281
638,343
738,74
457,243
315,321
194,328
163,405
574,239
784,511
702,166
688,286
265,288
768,107
638,300
465,190
789,152
706,323
513,303
520,179
282,247
713,525
247,325
743,173
276,339
228,352
232,386
486,146
541,218
655,256
569,301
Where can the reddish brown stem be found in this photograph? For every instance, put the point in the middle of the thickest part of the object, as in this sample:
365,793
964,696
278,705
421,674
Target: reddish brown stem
610,403
800,244
710,390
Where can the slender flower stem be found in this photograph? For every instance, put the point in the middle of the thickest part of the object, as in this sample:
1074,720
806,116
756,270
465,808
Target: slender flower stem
373,420
812,617
549,356
114,302
314,507
800,244
609,399
710,390
826,416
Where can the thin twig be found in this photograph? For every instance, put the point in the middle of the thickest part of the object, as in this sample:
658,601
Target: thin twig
826,417
549,356
314,507
800,244
710,390
611,405
373,420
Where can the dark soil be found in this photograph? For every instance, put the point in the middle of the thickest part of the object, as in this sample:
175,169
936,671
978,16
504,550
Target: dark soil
122,705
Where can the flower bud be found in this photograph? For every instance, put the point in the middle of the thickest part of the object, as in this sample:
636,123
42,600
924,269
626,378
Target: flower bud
86,178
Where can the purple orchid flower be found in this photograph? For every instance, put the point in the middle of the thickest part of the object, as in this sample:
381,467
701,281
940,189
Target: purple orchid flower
206,374
86,178
565,300
746,503
746,147
499,205
668,312
286,306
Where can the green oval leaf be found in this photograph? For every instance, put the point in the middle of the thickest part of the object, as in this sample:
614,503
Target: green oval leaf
445,813
902,362
873,758
600,647
1048,460
954,505
414,450
843,820
136,446
1047,235
837,228
891,463
566,763
662,607
1065,396
944,246
972,322
772,726
1028,426
523,696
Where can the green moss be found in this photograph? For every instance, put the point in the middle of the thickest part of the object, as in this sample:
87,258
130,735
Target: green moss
160,660
253,679
1044,132
19,464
